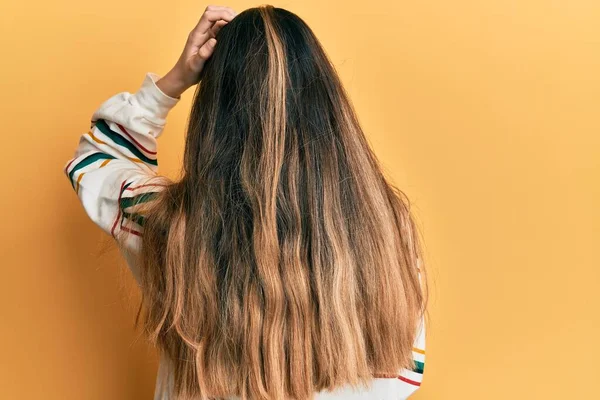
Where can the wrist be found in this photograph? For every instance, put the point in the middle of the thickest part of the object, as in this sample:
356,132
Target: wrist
171,84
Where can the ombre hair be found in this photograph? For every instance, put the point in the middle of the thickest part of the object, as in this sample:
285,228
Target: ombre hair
283,262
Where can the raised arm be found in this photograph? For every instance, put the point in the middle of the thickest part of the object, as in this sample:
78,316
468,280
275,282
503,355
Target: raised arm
116,159
115,163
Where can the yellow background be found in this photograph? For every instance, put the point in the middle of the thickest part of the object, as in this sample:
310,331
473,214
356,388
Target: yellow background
484,112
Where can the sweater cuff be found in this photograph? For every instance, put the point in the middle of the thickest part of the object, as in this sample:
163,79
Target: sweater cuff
150,97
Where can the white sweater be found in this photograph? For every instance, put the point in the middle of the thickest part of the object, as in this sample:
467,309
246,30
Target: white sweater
109,172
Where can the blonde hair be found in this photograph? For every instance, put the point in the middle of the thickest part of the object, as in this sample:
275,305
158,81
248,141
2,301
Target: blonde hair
283,262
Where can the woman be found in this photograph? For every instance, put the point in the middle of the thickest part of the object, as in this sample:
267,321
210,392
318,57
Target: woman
282,264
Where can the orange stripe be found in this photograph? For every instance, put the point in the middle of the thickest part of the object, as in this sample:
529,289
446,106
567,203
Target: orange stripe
82,174
79,179
95,138
137,160
420,351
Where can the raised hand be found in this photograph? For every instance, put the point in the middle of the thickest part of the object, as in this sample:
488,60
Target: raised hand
198,48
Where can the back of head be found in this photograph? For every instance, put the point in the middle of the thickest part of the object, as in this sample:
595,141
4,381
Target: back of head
282,262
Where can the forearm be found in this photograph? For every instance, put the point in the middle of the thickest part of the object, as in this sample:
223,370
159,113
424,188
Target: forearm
172,84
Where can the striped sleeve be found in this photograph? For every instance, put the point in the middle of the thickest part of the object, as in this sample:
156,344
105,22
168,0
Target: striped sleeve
115,164
408,381
411,379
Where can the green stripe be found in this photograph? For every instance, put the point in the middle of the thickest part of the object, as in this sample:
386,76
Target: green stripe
125,187
126,202
120,140
139,199
87,161
419,367
137,218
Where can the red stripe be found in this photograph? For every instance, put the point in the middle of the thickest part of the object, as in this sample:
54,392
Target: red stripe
409,381
112,231
123,228
68,165
134,141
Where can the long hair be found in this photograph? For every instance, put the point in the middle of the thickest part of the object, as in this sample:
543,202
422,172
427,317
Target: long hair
282,262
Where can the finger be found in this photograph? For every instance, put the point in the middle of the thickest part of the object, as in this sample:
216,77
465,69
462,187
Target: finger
210,17
217,27
212,8
222,8
207,49
204,54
